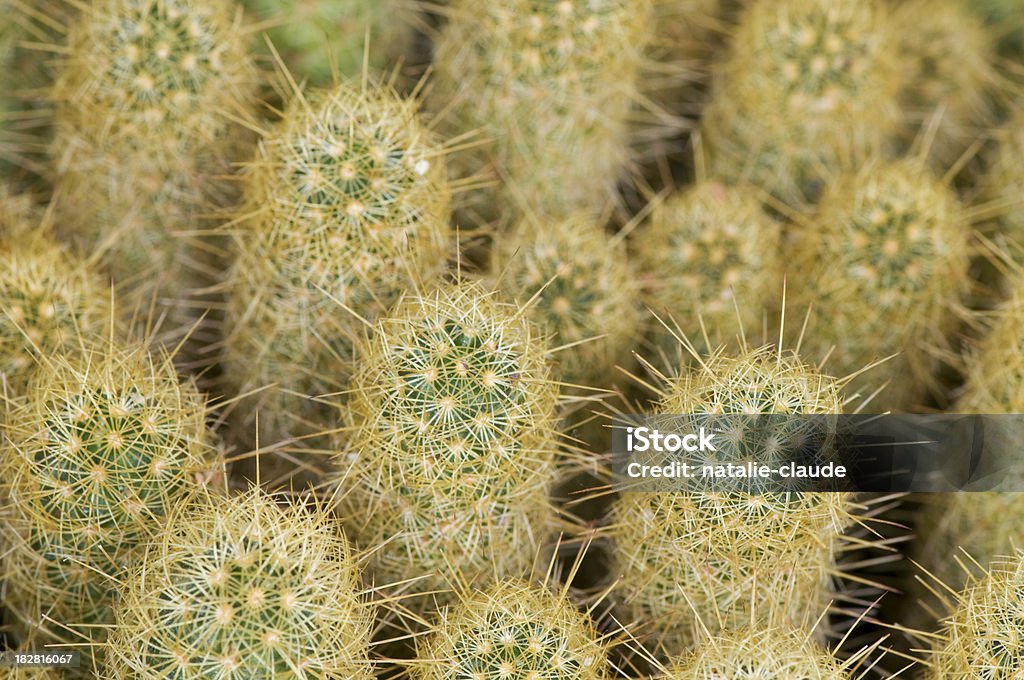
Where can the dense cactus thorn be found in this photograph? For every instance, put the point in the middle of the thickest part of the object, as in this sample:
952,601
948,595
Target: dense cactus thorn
889,241
145,96
588,300
552,86
105,444
511,630
320,40
949,55
982,637
1003,183
48,301
760,653
689,561
711,261
809,86
347,206
447,470
244,587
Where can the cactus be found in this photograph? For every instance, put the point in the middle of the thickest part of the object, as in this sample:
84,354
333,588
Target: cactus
243,588
346,207
712,261
590,300
511,630
1003,182
982,638
104,445
453,446
950,54
754,653
888,242
808,87
551,85
1007,20
142,134
694,561
48,302
321,39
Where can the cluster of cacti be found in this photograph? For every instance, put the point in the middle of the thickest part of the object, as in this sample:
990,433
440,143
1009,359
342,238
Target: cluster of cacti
809,86
452,448
889,241
753,653
321,40
511,630
587,295
712,265
550,87
696,561
983,637
144,96
102,447
243,588
346,206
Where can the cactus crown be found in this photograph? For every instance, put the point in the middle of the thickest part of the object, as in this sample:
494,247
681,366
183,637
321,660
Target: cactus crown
983,636
105,442
590,291
751,654
46,303
240,587
512,630
154,70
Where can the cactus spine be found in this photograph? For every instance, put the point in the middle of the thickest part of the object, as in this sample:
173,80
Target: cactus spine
105,444
347,206
511,630
589,291
754,653
809,86
551,85
453,410
742,558
242,587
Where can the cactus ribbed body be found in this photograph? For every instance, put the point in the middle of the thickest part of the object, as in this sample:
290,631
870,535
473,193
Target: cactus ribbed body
453,448
759,654
888,242
741,557
348,206
809,86
243,588
590,290
318,38
511,630
102,448
982,638
142,136
48,303
551,86
711,259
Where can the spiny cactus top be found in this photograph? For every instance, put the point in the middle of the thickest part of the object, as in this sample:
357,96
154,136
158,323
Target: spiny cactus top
807,85
107,441
349,206
984,636
47,303
889,242
590,291
318,39
515,631
159,74
551,84
243,588
453,408
705,254
759,654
